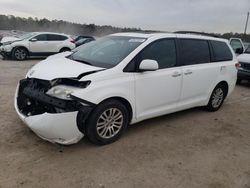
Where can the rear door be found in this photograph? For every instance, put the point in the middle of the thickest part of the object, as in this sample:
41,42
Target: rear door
199,74
55,42
158,92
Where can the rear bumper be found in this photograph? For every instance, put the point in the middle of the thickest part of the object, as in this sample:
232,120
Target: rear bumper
243,74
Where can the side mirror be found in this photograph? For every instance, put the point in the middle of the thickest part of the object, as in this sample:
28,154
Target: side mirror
239,51
148,65
33,40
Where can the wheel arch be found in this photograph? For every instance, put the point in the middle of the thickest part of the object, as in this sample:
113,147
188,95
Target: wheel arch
21,47
61,50
125,102
225,85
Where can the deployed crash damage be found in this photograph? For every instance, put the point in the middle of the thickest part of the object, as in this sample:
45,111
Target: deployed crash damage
35,100
79,93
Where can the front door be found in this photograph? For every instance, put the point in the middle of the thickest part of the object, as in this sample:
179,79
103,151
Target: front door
158,92
39,45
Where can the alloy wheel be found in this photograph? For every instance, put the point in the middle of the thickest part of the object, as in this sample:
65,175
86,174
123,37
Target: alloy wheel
20,54
217,98
109,123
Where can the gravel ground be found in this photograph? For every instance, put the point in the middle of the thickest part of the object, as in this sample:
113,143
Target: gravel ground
189,149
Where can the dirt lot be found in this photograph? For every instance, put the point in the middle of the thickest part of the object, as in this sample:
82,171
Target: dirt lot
189,149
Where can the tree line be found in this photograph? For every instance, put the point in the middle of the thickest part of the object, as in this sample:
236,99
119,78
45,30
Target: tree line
10,22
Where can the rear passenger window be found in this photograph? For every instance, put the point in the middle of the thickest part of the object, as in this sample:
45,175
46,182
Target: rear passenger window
194,51
52,37
221,51
163,51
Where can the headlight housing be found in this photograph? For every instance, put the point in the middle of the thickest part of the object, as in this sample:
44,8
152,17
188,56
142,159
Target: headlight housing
62,91
7,43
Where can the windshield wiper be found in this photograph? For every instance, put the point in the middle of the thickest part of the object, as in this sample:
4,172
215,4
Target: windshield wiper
79,60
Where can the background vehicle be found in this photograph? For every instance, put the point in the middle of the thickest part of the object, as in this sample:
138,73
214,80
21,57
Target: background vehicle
36,44
237,45
80,40
244,69
123,79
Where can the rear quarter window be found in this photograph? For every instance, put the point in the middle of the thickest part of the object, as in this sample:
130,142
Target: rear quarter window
221,51
52,37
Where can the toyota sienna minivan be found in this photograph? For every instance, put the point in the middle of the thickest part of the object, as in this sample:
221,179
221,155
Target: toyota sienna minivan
101,87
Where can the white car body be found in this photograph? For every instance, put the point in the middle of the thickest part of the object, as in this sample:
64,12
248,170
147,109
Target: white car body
149,94
36,46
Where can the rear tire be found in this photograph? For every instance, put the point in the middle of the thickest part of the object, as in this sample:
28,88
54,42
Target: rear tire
107,122
19,54
65,50
217,98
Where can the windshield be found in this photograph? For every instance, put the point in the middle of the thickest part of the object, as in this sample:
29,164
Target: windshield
247,50
106,52
26,36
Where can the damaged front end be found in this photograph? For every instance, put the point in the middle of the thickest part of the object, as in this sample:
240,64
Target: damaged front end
50,110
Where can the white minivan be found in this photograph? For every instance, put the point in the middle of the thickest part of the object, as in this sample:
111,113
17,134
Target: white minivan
100,88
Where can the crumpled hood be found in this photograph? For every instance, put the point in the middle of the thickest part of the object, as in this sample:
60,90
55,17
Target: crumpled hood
60,67
9,39
244,58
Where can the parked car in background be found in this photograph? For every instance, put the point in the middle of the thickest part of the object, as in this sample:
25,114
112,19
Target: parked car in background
123,79
80,40
35,44
237,45
244,68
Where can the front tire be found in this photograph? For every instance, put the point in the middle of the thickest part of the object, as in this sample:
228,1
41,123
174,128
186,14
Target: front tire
107,122
19,54
217,98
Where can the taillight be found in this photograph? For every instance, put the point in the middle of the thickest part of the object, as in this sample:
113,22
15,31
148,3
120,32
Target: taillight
237,65
73,41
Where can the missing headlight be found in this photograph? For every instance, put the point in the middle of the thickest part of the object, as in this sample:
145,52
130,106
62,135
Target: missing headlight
70,82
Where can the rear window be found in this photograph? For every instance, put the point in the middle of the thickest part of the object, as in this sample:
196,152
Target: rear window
52,37
194,51
221,51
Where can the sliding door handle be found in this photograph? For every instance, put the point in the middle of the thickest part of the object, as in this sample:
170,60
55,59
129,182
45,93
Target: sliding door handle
176,74
188,72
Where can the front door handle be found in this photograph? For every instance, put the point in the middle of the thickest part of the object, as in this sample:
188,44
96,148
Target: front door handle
188,72
176,74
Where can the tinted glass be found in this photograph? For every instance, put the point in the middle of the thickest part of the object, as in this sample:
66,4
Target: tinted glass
41,37
163,51
194,51
221,51
56,37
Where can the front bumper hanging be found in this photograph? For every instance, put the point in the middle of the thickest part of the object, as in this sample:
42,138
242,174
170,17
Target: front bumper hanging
53,119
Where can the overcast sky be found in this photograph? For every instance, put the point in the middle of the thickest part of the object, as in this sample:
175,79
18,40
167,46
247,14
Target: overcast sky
165,15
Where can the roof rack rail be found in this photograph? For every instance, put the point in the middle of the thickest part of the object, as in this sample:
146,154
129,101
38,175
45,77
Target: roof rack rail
196,33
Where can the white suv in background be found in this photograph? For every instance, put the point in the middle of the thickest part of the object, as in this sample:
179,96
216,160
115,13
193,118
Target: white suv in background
35,44
122,79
